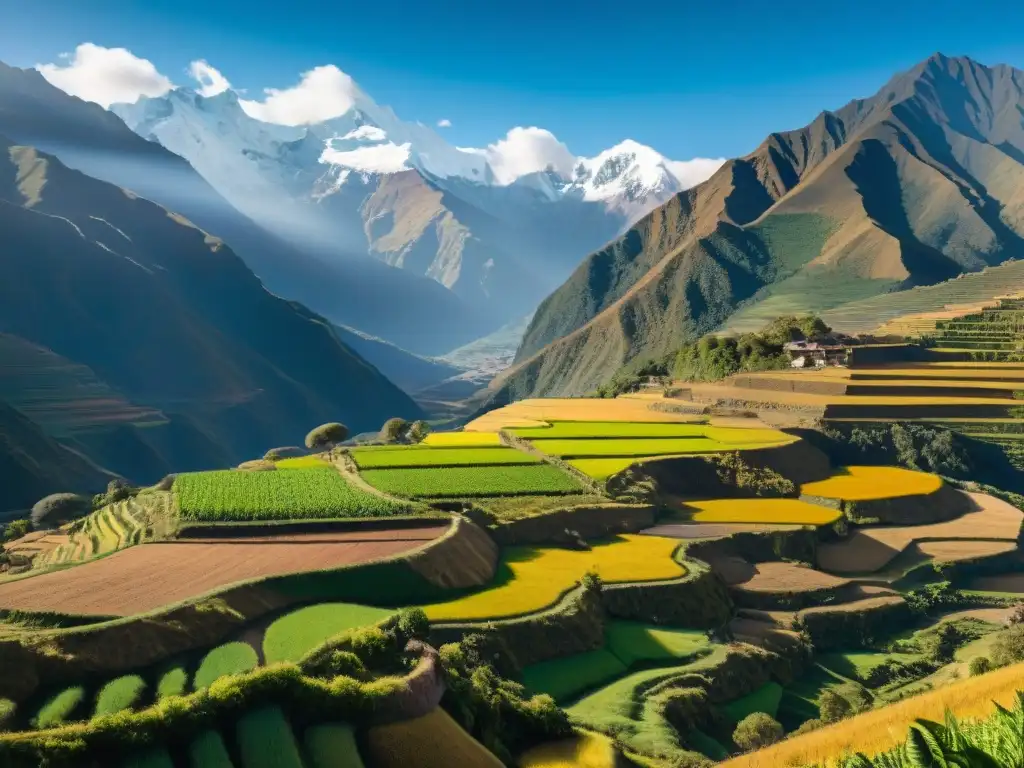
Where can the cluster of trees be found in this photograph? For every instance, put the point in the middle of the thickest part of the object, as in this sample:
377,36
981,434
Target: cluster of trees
327,436
712,358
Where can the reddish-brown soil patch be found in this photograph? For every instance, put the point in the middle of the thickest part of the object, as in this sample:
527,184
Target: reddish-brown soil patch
788,577
710,530
145,577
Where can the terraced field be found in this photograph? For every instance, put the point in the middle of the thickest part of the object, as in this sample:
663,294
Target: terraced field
538,412
779,511
868,483
470,481
153,575
534,578
415,456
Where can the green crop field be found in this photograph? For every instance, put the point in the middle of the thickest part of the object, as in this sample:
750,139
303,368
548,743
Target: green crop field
173,681
649,446
208,751
228,659
627,644
295,634
301,462
472,481
59,708
332,746
265,740
609,429
765,699
425,456
124,692
298,494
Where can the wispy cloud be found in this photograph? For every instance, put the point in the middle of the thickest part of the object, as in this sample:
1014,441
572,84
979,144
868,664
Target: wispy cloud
322,93
211,81
444,123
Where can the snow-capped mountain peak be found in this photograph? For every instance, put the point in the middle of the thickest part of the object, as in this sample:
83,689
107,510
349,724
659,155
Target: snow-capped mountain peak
629,170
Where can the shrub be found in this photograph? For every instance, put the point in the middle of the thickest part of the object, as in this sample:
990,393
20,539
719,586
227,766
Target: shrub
733,471
1008,647
7,711
16,529
1017,615
413,623
326,436
418,431
394,430
58,508
979,665
808,725
117,490
757,730
833,707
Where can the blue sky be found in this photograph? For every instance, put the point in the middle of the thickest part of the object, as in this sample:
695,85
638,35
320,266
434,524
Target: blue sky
692,79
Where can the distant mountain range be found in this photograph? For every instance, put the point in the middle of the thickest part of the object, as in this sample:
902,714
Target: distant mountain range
920,183
367,182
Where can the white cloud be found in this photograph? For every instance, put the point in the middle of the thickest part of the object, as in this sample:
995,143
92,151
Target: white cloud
526,150
210,80
365,133
106,75
444,123
690,173
380,158
323,93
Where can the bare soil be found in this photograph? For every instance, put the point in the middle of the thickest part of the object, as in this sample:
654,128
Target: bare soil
1009,582
146,577
710,530
870,549
954,551
788,577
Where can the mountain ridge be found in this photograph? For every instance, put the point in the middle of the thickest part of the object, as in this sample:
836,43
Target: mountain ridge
909,187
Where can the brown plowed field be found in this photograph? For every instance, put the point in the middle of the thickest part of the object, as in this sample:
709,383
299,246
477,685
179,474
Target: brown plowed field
147,576
870,549
954,551
710,530
787,577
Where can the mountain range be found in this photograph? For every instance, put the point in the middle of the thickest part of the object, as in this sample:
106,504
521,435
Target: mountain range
920,183
368,183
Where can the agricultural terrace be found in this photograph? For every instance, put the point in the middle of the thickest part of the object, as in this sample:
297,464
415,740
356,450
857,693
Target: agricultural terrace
778,577
878,730
462,439
538,412
779,511
431,741
609,429
871,548
439,482
626,645
416,456
868,483
295,634
648,446
533,578
153,575
294,494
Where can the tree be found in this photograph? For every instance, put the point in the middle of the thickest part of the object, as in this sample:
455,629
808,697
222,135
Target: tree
979,665
326,436
58,508
1008,647
16,529
418,431
757,730
832,706
394,430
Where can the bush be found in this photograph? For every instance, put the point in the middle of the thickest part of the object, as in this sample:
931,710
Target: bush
16,529
808,725
832,707
1017,615
394,430
757,730
58,508
1008,647
418,431
326,436
413,624
117,490
284,452
979,665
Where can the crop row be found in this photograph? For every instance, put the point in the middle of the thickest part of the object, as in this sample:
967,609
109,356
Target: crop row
532,479
426,456
231,495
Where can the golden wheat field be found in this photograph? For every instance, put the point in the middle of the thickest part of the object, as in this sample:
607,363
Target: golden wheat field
867,483
788,511
587,750
536,412
431,741
537,576
462,439
881,729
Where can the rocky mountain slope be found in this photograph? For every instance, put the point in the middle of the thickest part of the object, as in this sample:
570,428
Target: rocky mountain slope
358,291
368,182
133,317
918,184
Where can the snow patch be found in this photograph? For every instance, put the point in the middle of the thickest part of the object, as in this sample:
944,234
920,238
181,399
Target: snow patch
365,133
379,158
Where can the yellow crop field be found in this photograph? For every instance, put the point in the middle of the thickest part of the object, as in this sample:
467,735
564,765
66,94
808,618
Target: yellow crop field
792,511
602,469
431,741
535,412
866,483
301,462
536,577
462,439
588,750
881,729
